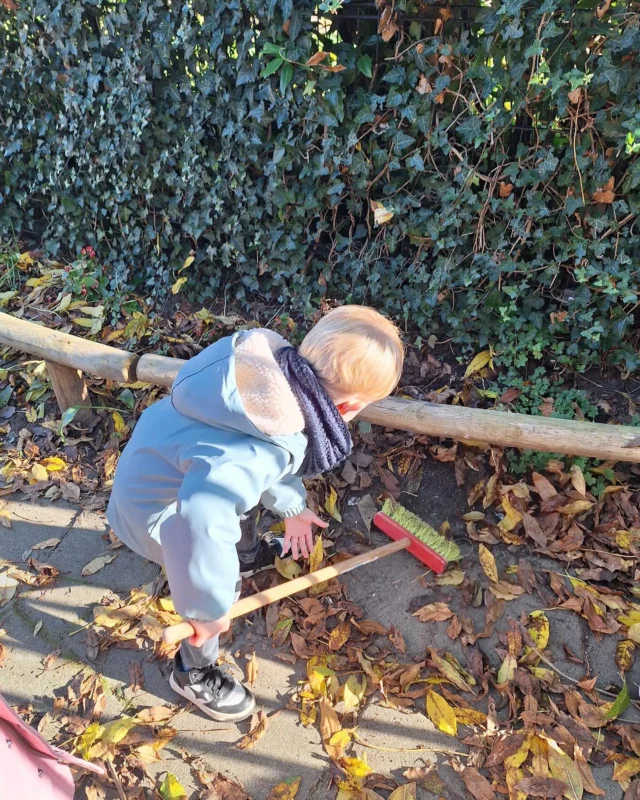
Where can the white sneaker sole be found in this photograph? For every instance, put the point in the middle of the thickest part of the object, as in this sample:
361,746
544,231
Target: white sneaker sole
219,716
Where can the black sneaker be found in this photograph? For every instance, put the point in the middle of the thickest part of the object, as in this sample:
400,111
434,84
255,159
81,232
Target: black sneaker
214,691
265,558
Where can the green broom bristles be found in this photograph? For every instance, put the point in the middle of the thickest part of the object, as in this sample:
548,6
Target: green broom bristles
422,530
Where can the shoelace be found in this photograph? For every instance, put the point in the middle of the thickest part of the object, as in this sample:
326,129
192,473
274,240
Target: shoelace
216,681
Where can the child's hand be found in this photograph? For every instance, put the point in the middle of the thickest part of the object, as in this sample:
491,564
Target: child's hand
207,630
298,535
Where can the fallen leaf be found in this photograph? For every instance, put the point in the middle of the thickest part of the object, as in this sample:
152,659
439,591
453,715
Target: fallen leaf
488,563
543,486
46,544
339,635
434,612
470,716
331,505
427,777
504,748
285,790
625,654
317,555
512,516
585,771
634,633
172,789
576,508
53,464
479,361
288,568
154,715
541,787
329,725
477,785
405,792
259,723
354,690
37,628
97,564
626,769
423,86
506,591
507,671
577,480
563,769
441,713
620,704
251,669
605,194
381,215
136,677
356,767
225,789
367,508
539,629
316,58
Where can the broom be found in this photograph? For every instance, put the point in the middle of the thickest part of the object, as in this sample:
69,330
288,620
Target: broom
407,530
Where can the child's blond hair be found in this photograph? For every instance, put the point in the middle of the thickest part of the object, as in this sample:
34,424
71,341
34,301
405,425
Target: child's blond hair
356,352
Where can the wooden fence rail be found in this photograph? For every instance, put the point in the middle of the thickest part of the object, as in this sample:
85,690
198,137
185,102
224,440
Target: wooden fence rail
67,357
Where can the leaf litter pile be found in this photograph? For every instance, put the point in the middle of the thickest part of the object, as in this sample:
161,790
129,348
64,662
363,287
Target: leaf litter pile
519,726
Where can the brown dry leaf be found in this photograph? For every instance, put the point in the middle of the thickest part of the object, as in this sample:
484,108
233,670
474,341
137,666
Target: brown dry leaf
512,517
441,713
225,789
259,723
136,677
533,530
434,612
397,640
585,771
537,786
602,8
251,669
285,790
97,564
370,626
605,194
452,671
423,87
405,792
427,777
577,480
505,590
329,725
454,628
339,636
154,715
488,563
543,486
505,189
575,96
387,27
477,785
316,58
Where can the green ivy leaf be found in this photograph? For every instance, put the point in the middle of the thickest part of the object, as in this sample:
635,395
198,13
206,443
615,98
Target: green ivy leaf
272,49
620,704
272,66
286,76
364,65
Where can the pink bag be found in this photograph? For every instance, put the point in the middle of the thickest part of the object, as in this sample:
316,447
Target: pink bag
29,766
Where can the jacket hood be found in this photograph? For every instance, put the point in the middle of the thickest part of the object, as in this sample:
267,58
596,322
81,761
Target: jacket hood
236,384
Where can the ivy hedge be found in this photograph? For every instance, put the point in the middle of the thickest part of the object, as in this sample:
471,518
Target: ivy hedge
472,168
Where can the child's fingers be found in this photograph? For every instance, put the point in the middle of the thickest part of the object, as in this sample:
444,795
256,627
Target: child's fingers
294,549
304,546
309,538
319,522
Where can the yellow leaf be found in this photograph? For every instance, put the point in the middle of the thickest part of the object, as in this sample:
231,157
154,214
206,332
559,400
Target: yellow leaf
441,713
354,690
631,617
520,756
381,215
479,362
39,473
634,633
53,464
329,724
625,655
470,716
178,284
539,629
308,713
317,555
113,732
166,604
118,422
513,778
512,516
507,671
285,790
575,508
172,789
563,768
356,767
339,635
626,769
577,479
330,504
288,568
452,577
187,262
488,563
340,739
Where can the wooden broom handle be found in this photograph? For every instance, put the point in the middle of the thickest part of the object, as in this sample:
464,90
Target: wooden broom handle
183,630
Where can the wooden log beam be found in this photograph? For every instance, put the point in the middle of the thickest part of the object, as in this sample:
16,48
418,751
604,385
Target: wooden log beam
570,437
70,351
68,385
526,432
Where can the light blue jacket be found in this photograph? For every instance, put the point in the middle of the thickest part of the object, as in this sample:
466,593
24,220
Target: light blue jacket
194,465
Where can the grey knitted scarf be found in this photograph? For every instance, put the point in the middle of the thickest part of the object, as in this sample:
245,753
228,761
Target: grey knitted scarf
329,438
